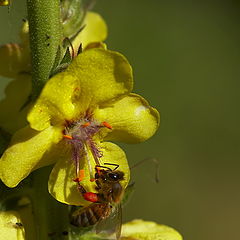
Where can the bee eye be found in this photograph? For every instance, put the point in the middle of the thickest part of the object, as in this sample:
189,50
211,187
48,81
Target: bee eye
113,176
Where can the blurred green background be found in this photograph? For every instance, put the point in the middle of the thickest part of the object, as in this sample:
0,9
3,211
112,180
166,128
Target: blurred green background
185,56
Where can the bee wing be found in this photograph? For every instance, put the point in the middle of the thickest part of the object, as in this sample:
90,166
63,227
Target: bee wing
118,218
111,224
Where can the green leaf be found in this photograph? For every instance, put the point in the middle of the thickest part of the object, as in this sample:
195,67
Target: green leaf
57,60
67,57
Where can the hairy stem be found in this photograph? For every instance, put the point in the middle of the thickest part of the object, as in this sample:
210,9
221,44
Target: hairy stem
45,38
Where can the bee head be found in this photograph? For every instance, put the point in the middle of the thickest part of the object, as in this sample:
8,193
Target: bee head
115,176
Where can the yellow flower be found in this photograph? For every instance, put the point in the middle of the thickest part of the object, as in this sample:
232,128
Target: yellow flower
77,110
146,230
95,30
15,58
12,116
15,63
11,226
140,230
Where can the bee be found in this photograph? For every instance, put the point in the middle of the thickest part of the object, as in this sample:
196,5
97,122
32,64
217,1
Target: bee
105,203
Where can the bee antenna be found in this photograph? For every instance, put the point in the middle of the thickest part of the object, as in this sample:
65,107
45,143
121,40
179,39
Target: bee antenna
154,160
113,164
99,166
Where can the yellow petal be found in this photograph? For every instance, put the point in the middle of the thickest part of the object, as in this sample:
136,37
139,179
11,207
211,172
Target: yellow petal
56,102
64,189
12,117
95,30
26,153
96,45
94,77
24,34
146,230
14,59
104,76
11,226
131,118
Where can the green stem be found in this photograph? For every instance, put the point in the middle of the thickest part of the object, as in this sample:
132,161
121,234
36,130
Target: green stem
51,217
45,38
43,217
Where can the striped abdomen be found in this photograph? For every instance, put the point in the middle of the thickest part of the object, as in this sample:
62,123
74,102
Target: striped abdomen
90,215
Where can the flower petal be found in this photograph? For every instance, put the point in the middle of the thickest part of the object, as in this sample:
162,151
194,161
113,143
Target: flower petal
10,225
14,59
146,230
55,103
104,76
131,118
95,30
64,189
12,117
94,77
26,153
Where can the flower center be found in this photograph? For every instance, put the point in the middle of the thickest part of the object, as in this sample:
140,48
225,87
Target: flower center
80,135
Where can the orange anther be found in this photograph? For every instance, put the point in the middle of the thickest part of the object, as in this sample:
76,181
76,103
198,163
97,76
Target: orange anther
67,136
80,177
85,124
81,174
107,125
92,179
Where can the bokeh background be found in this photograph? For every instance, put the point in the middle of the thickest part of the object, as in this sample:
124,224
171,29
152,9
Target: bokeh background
185,56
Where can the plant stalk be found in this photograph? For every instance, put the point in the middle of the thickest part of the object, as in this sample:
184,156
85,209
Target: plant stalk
45,38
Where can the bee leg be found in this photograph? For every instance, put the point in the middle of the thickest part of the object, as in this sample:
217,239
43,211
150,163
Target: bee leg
88,196
98,185
81,189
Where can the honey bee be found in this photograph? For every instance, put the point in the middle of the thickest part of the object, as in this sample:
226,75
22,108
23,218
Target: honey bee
105,203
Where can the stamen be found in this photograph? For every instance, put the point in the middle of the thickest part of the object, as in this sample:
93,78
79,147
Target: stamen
89,163
68,137
107,125
85,124
94,150
81,174
80,177
81,134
